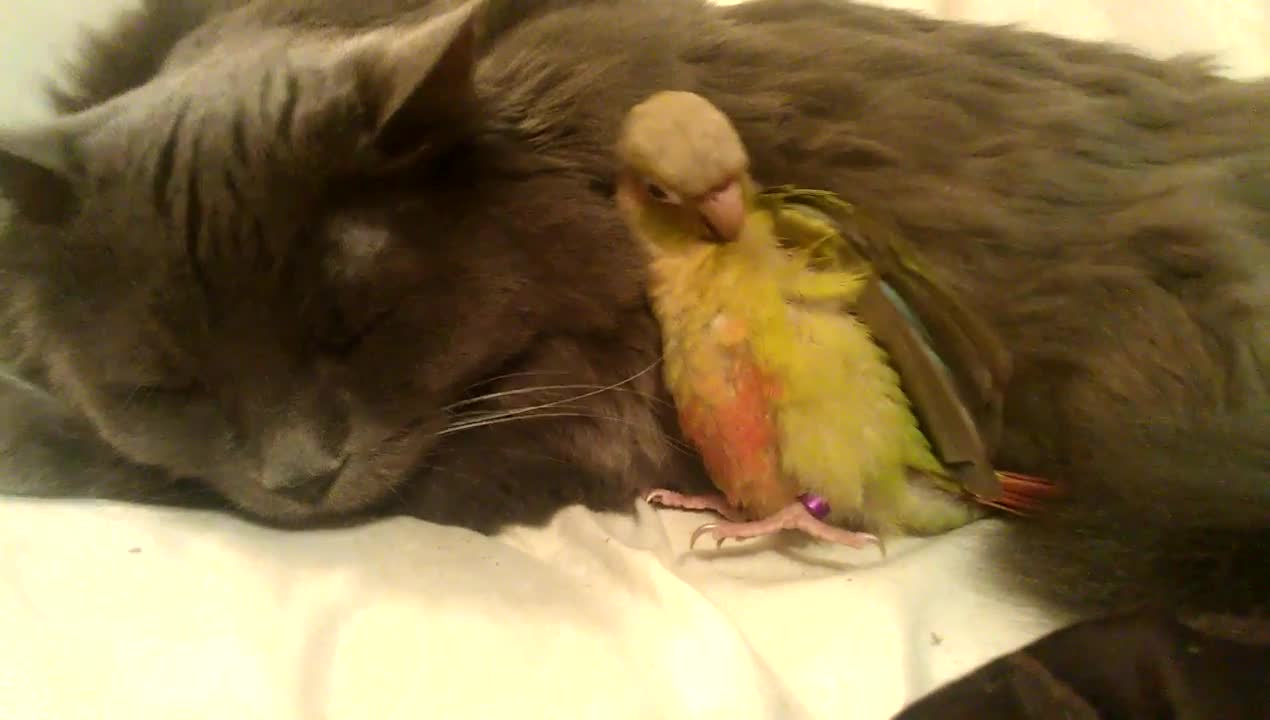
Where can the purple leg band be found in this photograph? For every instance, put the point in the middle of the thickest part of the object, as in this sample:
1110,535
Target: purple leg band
816,505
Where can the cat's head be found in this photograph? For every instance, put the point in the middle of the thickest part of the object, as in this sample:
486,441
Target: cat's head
274,264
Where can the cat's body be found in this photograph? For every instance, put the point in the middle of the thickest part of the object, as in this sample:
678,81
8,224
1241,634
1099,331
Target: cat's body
293,252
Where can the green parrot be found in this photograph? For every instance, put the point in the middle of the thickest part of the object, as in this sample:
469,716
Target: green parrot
795,329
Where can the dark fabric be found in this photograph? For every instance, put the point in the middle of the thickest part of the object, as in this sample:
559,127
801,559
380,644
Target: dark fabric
1127,667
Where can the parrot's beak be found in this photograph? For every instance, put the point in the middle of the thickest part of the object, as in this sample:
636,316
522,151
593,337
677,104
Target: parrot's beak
724,211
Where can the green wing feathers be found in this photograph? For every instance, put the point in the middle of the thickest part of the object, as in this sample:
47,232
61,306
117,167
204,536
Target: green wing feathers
953,365
974,352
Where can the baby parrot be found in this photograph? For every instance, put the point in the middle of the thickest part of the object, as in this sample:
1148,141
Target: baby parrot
775,308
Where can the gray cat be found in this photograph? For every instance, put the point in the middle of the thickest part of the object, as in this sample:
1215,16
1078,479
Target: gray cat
330,259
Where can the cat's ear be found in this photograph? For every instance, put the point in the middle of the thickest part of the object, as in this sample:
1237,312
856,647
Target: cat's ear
418,83
36,172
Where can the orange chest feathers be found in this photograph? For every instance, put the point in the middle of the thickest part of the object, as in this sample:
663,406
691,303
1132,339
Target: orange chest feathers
729,417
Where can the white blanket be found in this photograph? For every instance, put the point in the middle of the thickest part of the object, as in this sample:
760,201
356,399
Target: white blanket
115,611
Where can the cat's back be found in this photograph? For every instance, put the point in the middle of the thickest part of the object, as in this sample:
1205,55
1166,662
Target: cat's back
948,124
143,42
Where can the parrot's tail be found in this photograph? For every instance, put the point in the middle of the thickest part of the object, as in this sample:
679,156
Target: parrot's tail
1024,495
1163,517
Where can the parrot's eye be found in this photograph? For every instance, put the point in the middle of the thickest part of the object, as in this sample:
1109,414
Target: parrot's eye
660,194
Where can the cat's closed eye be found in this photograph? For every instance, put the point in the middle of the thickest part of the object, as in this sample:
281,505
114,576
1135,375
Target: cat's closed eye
157,394
341,337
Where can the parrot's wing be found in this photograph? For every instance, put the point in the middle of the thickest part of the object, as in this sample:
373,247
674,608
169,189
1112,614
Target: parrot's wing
954,432
953,366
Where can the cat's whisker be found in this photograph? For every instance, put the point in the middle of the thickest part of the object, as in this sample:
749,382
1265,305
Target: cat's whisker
509,376
520,391
449,409
476,419
501,420
598,389
482,418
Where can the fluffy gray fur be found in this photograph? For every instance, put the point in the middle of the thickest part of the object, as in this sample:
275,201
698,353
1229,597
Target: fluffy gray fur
331,258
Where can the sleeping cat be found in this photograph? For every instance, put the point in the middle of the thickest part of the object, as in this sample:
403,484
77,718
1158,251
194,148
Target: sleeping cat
331,259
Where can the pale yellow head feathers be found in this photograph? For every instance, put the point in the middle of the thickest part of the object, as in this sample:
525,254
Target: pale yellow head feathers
684,171
683,142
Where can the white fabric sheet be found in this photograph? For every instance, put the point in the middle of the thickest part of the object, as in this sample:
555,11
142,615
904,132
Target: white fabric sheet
115,611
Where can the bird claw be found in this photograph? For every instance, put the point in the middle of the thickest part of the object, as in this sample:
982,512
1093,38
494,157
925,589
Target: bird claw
718,541
794,517
654,496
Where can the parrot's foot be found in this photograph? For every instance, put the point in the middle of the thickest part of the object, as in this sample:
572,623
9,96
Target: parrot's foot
679,501
794,516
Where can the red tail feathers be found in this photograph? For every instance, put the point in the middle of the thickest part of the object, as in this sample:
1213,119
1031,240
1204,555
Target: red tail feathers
1023,495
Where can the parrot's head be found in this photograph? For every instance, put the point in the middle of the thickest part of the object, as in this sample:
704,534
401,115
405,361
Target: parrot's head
683,173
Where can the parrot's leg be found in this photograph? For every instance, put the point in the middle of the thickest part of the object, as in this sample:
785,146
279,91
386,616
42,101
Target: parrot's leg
794,516
716,502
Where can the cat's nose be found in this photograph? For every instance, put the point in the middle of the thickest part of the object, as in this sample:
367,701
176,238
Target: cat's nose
310,489
297,464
